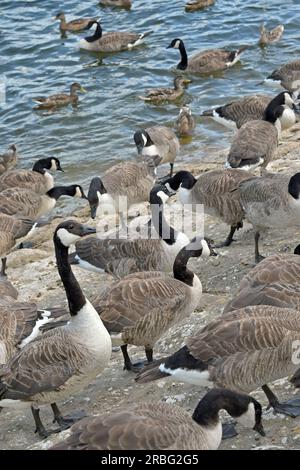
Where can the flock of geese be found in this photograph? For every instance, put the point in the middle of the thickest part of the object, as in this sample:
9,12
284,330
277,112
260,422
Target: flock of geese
47,355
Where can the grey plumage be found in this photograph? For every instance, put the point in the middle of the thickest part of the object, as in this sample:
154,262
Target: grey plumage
288,76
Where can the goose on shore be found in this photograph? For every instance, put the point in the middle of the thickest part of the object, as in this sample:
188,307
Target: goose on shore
185,123
288,76
272,36
121,256
116,3
161,426
271,201
65,359
8,160
38,179
158,140
79,24
195,5
166,94
115,41
217,190
60,99
27,203
241,350
206,61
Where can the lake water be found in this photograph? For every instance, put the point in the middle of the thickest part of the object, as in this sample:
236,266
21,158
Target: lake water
35,60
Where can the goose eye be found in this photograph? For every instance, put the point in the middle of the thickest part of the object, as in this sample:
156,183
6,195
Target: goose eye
71,226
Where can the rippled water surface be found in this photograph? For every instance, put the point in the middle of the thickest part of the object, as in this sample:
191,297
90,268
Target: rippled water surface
35,60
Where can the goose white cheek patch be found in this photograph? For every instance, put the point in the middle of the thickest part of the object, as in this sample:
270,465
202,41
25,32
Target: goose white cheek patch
66,237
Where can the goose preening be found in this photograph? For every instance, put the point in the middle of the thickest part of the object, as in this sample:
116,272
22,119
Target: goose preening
207,61
60,99
271,201
160,426
255,142
8,160
112,41
288,76
166,94
185,123
79,24
141,307
121,256
65,359
270,37
27,203
198,4
116,3
217,191
38,179
241,350
158,140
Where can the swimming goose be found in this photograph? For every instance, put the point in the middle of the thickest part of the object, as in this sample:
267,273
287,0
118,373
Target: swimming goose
216,190
166,94
38,179
79,24
272,36
198,4
158,140
185,123
121,186
114,41
255,142
207,61
121,256
241,350
8,160
271,201
275,281
27,203
161,426
116,3
64,360
288,76
60,99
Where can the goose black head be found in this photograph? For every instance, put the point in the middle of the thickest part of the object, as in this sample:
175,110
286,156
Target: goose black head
294,186
200,246
96,188
49,163
297,250
142,139
175,44
183,179
249,413
159,194
68,232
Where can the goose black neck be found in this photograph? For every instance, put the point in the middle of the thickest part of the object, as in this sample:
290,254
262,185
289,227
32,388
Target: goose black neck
39,166
76,299
59,191
294,186
184,58
97,34
163,229
180,270
274,109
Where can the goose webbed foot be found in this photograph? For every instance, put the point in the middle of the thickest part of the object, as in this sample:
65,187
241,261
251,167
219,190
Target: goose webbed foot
39,427
229,238
289,408
137,366
65,422
229,431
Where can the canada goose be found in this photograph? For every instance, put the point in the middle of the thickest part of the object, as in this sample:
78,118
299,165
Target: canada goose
161,426
288,76
61,99
67,358
7,289
79,24
8,160
272,36
38,179
121,257
271,201
185,123
198,4
166,94
141,307
275,281
158,140
255,142
238,112
26,203
216,191
207,61
121,186
241,350
116,3
115,41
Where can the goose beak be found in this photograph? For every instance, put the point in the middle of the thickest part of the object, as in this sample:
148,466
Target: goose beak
93,211
87,231
260,429
59,168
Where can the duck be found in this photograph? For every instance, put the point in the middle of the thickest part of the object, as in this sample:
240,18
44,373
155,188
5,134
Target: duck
185,123
27,203
38,179
288,76
166,94
64,360
61,99
217,191
272,36
116,3
9,159
7,289
79,24
158,140
198,5
271,201
241,351
207,61
123,256
162,426
114,41
256,141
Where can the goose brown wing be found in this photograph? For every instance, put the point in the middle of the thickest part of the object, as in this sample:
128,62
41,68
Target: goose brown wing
21,202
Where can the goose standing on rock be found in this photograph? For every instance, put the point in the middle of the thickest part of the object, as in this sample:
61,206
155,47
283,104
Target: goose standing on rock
185,123
38,179
160,426
60,99
157,95
112,41
79,24
8,160
288,76
270,37
64,360
207,61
